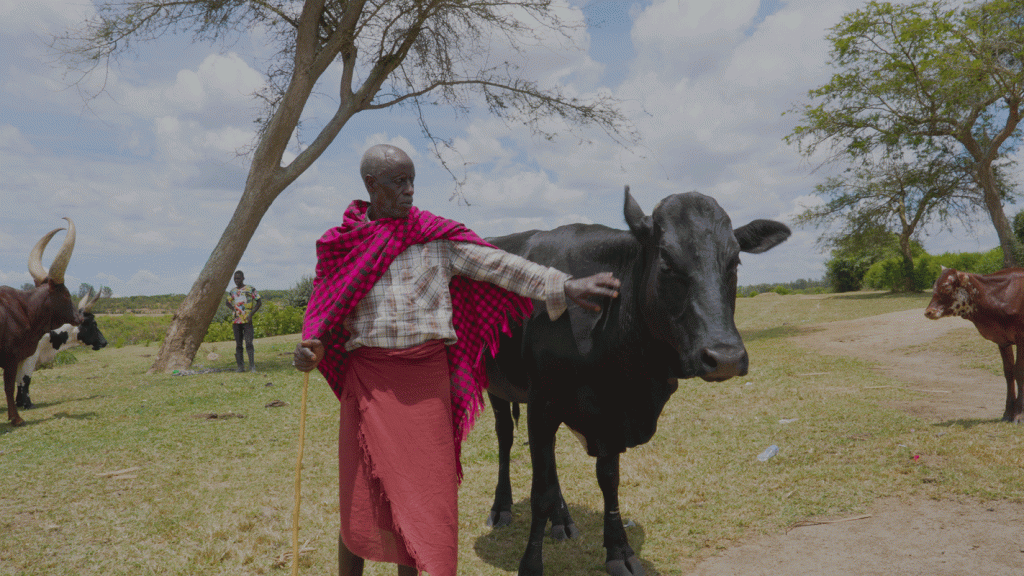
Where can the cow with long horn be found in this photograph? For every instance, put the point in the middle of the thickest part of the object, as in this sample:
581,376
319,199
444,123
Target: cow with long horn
25,315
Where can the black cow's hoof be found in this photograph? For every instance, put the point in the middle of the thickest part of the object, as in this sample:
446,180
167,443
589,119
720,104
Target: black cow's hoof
629,567
23,401
564,532
532,563
498,519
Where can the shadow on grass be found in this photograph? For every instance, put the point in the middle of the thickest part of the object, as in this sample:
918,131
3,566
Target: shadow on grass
30,421
503,548
265,363
770,333
967,423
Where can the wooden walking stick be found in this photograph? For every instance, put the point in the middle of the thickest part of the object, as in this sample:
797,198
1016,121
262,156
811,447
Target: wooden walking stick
298,478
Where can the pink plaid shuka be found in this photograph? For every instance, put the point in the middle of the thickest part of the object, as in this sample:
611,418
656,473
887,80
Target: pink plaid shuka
352,257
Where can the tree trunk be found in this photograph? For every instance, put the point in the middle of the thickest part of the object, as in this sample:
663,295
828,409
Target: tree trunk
192,319
1007,241
908,264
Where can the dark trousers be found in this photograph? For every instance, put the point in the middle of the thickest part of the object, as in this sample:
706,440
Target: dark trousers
243,332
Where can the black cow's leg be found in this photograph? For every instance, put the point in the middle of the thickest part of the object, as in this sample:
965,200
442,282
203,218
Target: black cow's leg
563,527
1006,352
501,510
23,400
621,560
544,492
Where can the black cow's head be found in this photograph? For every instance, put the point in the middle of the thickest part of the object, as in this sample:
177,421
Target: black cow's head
50,297
89,332
689,292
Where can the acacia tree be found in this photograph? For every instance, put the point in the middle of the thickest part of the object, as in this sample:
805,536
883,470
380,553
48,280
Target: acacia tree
401,52
916,76
898,197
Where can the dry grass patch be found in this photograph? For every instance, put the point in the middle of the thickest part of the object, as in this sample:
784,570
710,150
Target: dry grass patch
112,475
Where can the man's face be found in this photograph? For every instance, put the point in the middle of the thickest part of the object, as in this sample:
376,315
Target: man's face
391,190
239,279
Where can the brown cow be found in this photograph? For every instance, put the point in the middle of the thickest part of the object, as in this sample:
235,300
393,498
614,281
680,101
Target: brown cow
995,303
25,315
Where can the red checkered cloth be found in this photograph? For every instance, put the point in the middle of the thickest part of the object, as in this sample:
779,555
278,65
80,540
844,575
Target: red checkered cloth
352,257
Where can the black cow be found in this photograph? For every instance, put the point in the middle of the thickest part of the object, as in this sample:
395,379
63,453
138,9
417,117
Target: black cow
67,336
608,374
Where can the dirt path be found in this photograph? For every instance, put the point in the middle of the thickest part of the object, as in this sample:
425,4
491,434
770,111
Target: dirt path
905,537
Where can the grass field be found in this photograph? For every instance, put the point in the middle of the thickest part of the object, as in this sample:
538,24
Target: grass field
119,472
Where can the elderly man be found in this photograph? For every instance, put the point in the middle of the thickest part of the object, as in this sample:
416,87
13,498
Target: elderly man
403,308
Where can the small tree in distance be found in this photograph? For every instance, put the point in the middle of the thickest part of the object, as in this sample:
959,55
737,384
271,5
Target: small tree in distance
894,196
404,52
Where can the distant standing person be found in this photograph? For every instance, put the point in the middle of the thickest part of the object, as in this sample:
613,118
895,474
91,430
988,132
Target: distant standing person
244,302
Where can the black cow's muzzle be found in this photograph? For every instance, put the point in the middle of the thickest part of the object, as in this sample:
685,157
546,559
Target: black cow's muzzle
723,362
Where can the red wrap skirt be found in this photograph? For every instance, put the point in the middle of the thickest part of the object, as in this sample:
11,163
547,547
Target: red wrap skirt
398,484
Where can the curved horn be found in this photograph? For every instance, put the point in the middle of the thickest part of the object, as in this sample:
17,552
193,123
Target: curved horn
84,302
60,261
89,301
35,258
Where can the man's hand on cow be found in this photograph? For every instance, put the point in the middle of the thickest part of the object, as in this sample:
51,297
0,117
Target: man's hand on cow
583,290
308,354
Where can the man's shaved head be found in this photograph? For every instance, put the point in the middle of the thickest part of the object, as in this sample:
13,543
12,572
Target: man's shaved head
378,158
388,174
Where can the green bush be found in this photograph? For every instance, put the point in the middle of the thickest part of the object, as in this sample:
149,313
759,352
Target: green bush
889,274
64,358
271,320
298,295
974,262
220,332
846,274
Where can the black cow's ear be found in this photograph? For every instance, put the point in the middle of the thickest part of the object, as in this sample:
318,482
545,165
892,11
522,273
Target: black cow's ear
761,235
639,223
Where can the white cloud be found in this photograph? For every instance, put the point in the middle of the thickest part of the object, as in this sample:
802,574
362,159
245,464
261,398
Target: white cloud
149,169
11,139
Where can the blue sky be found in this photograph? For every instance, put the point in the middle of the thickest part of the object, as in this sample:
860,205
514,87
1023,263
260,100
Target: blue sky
151,174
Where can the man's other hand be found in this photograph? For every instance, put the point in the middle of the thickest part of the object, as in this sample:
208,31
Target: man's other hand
584,291
308,354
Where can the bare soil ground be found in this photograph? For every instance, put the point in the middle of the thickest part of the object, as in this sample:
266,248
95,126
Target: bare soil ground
916,536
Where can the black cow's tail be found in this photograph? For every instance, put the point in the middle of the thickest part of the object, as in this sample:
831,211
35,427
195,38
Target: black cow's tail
515,413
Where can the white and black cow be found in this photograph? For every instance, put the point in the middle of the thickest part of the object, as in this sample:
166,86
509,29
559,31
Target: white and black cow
608,374
67,336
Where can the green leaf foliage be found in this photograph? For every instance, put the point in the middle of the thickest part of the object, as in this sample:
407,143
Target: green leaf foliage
271,320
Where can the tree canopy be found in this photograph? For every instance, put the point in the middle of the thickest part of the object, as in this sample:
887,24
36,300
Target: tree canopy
918,79
411,53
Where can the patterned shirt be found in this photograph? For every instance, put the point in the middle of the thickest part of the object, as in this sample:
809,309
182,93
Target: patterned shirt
242,300
411,303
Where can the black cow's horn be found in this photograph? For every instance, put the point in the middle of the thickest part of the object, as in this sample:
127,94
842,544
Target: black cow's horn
35,258
60,261
85,304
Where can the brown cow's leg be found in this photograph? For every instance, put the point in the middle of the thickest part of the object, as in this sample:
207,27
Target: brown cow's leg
12,409
1006,352
1017,403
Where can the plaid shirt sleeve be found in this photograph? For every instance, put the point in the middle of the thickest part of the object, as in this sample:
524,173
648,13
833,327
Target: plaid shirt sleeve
511,272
